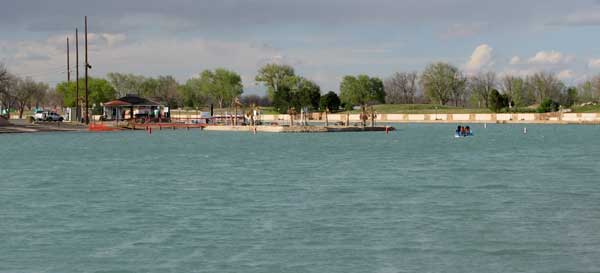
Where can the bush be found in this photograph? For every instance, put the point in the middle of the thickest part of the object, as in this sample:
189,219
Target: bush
498,101
548,105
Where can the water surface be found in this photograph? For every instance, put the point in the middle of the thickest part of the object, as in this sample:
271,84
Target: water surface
417,200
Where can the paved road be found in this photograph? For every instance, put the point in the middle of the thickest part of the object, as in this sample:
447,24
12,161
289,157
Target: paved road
22,126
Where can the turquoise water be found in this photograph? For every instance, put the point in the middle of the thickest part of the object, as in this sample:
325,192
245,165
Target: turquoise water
417,200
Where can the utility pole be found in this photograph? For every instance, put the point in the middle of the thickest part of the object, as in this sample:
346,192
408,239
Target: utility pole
78,112
68,63
87,66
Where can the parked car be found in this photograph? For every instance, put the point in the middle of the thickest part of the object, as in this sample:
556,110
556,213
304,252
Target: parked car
52,116
41,115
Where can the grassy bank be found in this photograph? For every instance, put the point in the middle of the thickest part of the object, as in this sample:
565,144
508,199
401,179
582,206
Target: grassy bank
421,109
586,109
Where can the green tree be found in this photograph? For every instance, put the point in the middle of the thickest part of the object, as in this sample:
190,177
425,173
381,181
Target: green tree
220,85
304,93
586,91
361,90
297,93
498,101
192,94
548,105
570,97
439,82
100,91
126,83
330,101
516,89
276,77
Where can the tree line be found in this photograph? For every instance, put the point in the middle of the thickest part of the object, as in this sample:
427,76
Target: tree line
20,93
287,92
445,84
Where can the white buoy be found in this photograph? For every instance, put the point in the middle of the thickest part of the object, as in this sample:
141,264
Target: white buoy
525,130
485,125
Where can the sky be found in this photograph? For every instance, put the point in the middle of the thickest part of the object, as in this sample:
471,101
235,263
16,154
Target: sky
324,40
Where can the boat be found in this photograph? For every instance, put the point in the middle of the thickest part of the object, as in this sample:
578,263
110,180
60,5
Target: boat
458,135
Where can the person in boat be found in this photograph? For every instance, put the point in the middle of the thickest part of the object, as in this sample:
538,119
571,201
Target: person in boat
458,130
462,130
467,131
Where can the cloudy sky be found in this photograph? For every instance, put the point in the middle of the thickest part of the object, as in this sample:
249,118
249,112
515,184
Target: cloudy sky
323,39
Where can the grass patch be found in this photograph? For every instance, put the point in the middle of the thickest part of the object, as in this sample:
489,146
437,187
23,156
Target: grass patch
586,109
422,109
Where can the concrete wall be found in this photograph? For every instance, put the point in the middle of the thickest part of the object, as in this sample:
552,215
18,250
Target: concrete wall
458,118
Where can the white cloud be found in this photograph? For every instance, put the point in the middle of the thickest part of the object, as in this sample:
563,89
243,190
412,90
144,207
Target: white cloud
515,60
566,74
482,58
594,63
550,58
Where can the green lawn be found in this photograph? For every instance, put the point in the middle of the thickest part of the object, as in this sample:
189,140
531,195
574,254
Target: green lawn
586,109
422,109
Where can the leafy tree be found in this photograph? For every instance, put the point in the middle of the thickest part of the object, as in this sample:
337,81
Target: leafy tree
220,85
570,97
498,101
257,100
126,83
361,90
167,91
330,101
276,78
439,82
305,93
100,91
516,89
192,94
297,93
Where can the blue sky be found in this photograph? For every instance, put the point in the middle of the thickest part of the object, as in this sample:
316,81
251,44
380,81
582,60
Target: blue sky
324,40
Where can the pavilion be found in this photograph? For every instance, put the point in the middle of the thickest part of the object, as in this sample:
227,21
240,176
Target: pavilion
131,107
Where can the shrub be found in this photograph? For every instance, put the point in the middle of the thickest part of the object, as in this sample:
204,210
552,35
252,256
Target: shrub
498,101
548,105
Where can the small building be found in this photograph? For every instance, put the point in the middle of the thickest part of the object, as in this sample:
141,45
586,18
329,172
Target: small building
133,107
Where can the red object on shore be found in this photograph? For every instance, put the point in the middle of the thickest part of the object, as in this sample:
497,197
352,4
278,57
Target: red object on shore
99,127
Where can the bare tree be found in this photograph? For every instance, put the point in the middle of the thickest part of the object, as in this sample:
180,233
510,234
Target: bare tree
26,90
482,86
594,89
458,88
401,88
545,85
54,99
8,90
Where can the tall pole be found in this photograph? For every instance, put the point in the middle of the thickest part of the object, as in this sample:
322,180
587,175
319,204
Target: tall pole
77,111
68,63
87,66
